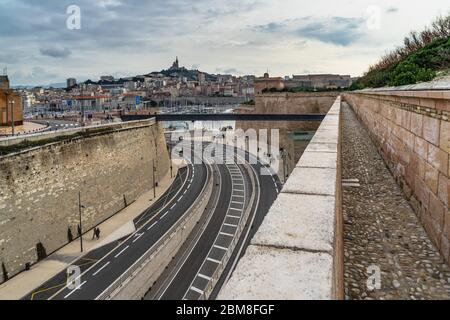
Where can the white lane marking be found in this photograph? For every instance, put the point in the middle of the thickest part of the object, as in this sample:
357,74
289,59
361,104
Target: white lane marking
73,291
214,260
230,225
171,208
152,226
125,249
220,247
139,235
238,184
197,290
184,192
234,209
237,202
234,217
163,216
204,277
99,270
227,234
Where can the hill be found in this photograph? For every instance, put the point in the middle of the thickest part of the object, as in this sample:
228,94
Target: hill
422,57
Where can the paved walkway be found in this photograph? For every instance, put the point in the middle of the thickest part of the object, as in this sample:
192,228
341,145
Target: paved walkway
381,229
117,227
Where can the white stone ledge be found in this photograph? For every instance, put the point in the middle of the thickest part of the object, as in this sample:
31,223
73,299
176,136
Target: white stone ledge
299,222
267,273
296,254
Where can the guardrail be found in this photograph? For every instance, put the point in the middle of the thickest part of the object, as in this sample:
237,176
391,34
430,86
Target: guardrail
131,272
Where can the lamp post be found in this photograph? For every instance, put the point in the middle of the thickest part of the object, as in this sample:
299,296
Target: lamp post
13,128
80,207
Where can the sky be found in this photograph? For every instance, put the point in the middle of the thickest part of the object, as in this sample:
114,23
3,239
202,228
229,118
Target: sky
131,37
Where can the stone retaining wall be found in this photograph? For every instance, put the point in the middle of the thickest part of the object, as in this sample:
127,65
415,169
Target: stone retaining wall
412,132
297,254
40,186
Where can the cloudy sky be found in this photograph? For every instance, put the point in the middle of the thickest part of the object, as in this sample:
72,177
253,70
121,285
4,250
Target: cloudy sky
129,37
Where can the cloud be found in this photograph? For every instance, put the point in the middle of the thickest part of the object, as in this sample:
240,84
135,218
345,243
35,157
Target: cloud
340,31
392,10
336,30
55,52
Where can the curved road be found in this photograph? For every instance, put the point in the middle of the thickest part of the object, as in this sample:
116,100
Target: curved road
192,269
103,273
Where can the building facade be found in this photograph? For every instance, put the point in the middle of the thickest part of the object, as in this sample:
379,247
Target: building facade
267,83
11,108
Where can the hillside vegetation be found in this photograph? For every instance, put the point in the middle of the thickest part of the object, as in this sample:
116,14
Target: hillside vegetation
421,58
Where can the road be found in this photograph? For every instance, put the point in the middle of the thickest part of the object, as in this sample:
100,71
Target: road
196,264
100,275
200,258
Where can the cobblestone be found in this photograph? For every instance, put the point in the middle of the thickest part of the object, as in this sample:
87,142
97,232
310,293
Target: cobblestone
382,231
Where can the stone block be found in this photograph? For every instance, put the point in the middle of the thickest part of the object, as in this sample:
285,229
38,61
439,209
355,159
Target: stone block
417,124
418,166
267,273
428,103
318,160
431,130
444,189
432,229
445,248
312,181
300,222
421,148
422,192
447,224
431,178
438,158
437,211
445,136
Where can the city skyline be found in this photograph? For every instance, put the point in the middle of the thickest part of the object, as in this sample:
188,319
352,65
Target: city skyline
136,37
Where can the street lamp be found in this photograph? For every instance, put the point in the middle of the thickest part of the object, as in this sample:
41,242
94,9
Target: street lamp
80,226
12,117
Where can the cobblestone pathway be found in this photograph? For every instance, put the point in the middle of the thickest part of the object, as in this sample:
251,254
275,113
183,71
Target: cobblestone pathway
382,231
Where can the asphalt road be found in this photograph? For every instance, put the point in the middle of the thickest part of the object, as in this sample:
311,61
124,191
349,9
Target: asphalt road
192,269
104,272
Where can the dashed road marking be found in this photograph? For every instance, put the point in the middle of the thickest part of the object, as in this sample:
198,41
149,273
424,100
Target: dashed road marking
227,234
234,217
125,249
204,277
99,270
197,290
139,235
154,224
214,260
220,247
73,291
230,225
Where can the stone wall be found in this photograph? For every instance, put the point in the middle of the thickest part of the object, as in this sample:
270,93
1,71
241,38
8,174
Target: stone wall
412,131
297,253
288,103
39,187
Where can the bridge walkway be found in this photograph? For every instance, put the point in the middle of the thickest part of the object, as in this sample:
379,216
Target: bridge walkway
381,229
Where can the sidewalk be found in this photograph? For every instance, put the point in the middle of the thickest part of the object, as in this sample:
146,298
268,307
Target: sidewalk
117,227
27,127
